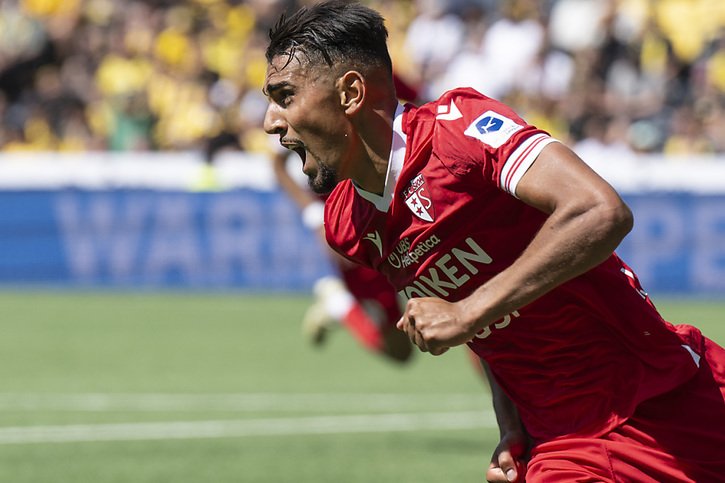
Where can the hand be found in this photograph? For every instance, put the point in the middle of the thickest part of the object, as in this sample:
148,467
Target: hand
435,325
508,462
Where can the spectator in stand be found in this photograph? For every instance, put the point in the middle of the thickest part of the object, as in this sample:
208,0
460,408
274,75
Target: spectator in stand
511,46
433,38
170,75
687,134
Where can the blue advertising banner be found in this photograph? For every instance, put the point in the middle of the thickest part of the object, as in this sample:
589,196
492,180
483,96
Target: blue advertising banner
143,238
253,240
677,245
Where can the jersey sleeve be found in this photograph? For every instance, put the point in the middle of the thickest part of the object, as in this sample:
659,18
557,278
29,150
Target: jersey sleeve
479,135
341,234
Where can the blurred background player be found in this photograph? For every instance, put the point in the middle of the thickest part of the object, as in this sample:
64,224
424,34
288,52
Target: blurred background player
222,142
355,297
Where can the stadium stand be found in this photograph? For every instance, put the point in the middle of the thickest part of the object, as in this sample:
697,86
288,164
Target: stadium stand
620,76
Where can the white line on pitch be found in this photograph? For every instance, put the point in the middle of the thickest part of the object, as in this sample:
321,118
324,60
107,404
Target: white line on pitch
362,423
294,402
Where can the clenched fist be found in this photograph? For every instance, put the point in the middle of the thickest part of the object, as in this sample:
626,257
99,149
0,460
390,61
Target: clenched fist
435,325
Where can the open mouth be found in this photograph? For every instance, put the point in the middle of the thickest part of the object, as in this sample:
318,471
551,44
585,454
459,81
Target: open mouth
298,148
301,153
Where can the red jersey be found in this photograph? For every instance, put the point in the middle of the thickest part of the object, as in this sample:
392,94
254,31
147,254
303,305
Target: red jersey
576,361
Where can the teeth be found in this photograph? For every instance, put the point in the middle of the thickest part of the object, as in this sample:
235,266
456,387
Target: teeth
298,148
293,147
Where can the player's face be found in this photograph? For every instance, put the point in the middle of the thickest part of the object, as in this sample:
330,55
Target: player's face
305,111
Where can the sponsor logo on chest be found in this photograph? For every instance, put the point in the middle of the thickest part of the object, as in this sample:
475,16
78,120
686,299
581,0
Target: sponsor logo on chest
449,271
417,198
404,255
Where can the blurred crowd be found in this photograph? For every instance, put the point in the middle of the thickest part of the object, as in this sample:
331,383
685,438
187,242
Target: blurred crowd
606,76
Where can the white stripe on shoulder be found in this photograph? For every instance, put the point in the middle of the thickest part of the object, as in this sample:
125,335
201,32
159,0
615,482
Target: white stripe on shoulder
521,160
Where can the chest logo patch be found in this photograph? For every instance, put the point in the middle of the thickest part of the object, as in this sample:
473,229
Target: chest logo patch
418,199
492,128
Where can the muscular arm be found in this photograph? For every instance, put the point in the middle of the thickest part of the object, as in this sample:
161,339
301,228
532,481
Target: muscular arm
587,220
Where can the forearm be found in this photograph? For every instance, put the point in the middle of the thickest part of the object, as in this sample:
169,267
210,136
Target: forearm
586,221
301,196
571,241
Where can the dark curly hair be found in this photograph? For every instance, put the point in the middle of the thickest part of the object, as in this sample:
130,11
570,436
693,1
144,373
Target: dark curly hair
335,32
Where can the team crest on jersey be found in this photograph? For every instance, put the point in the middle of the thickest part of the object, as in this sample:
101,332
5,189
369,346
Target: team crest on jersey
492,128
418,200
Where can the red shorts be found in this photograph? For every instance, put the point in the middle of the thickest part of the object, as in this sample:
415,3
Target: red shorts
369,286
675,437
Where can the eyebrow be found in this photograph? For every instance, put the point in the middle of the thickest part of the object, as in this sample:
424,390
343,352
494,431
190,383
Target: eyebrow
269,89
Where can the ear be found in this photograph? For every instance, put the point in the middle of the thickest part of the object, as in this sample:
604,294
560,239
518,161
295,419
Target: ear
351,87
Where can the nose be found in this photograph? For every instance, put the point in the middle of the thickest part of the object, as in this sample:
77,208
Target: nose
274,122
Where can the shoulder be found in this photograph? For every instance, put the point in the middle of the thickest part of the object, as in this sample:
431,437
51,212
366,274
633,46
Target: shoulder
339,224
466,113
337,203
463,128
473,133
455,107
442,123
347,219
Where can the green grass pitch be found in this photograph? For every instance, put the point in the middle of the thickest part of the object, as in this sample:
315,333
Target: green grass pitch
179,388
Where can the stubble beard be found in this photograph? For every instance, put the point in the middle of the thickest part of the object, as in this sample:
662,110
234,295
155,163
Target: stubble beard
324,181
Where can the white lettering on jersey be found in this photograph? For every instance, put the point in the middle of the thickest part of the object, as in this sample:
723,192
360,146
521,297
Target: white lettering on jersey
498,325
448,113
377,241
404,256
492,128
452,270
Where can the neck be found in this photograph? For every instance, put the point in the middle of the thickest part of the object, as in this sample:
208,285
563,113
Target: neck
376,137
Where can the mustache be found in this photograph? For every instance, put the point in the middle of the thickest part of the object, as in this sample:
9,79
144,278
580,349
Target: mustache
291,143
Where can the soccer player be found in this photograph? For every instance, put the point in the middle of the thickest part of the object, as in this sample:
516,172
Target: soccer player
502,239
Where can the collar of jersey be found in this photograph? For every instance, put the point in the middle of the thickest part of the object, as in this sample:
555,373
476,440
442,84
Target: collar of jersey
395,165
